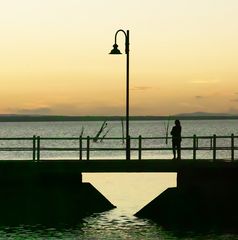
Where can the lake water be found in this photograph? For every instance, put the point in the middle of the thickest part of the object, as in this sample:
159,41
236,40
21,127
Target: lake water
129,192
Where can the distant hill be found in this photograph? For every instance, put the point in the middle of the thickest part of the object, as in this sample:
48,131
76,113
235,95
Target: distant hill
53,118
205,114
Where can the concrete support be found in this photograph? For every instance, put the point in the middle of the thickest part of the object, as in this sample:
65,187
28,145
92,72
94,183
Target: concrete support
35,193
205,198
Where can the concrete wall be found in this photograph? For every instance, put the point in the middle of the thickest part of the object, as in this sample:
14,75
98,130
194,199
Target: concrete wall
205,198
32,193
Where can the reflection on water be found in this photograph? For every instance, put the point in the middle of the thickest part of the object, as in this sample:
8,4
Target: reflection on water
98,226
103,227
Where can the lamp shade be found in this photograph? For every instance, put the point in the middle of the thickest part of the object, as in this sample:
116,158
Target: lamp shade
115,50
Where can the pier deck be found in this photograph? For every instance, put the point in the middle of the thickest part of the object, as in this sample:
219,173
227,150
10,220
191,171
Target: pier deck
107,166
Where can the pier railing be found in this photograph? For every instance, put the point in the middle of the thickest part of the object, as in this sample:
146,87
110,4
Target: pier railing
84,147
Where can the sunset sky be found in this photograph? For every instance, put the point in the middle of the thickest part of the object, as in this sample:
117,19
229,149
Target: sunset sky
54,56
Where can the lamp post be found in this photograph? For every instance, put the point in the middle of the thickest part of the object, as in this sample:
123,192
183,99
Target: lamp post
115,50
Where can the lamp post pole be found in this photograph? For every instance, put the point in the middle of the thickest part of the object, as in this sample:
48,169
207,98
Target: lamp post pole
127,98
115,50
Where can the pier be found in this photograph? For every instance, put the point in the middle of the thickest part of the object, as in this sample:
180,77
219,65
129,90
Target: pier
39,182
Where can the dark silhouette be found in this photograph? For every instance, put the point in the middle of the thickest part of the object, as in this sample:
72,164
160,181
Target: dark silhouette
104,125
176,139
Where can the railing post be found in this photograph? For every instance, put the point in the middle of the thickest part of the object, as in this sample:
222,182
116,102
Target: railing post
129,148
80,148
214,147
38,148
88,147
194,146
139,147
232,147
34,148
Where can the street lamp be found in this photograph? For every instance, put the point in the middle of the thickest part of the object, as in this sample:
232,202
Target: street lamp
116,51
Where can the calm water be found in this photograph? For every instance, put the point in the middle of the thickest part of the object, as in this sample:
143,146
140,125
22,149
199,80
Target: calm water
129,192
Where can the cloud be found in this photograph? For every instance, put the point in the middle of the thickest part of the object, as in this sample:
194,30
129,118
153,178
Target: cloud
199,97
204,81
199,81
31,111
191,105
233,110
88,108
140,88
235,99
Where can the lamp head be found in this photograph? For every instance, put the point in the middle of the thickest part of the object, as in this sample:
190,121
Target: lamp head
115,50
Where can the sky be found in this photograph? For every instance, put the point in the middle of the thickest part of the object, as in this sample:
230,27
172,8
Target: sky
54,56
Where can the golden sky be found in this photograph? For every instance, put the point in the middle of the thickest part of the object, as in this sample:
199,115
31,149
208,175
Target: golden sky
54,56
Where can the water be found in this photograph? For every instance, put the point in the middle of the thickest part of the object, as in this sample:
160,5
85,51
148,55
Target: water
143,128
129,192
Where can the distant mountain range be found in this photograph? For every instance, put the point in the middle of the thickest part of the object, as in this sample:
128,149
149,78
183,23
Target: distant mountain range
205,114
46,118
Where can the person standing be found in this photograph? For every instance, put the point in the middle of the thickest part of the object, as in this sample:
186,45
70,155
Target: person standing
176,139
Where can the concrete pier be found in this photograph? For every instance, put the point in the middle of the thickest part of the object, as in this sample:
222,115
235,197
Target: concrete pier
33,193
52,191
204,199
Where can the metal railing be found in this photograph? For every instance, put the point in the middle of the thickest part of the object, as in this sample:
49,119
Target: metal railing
84,146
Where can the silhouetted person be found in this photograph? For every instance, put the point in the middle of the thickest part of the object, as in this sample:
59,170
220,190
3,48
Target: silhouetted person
176,139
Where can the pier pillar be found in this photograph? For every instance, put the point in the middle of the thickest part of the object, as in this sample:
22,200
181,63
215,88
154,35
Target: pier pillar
205,198
46,193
